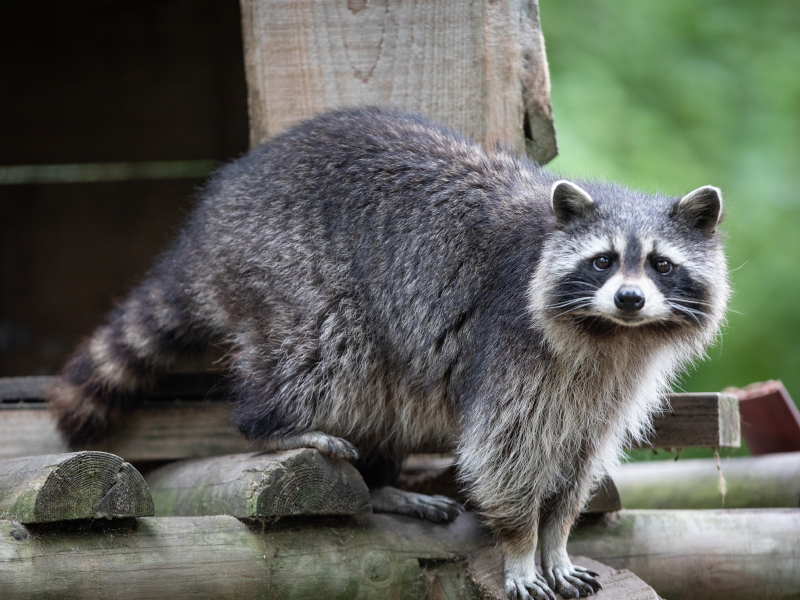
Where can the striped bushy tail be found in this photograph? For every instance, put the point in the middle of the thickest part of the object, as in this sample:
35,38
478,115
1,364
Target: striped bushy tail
143,336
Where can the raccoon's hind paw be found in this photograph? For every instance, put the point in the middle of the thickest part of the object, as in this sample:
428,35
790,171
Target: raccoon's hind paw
438,509
81,419
327,444
572,581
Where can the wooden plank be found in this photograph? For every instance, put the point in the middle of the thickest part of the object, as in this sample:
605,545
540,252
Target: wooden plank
367,557
162,430
294,482
770,418
486,570
24,388
698,420
153,431
72,486
769,481
459,62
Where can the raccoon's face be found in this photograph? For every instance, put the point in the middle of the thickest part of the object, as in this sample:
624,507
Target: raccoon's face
626,261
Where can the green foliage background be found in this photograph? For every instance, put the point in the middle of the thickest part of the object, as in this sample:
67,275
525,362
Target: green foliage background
673,95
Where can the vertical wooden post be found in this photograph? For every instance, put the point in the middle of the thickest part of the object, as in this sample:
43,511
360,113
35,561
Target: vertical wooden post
475,65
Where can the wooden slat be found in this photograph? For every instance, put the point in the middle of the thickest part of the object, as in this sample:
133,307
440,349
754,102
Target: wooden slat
162,430
698,420
71,486
294,482
475,65
154,431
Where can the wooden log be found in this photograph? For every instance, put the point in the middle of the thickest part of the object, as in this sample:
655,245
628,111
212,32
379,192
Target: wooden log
64,487
294,482
486,570
709,554
700,554
158,429
381,557
478,66
771,480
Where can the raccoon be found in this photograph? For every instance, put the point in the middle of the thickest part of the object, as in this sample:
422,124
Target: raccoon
385,286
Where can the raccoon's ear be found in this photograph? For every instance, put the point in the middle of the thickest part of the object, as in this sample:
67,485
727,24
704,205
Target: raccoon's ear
703,207
569,201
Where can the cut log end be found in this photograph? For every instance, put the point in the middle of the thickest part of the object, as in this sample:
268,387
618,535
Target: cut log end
72,486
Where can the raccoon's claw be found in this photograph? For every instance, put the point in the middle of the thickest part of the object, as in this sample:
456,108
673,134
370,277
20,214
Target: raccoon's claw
529,589
438,509
571,581
338,448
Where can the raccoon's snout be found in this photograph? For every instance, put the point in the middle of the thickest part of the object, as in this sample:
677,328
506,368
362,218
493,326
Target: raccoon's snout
629,298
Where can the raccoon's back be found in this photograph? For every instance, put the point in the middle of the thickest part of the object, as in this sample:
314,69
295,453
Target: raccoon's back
407,221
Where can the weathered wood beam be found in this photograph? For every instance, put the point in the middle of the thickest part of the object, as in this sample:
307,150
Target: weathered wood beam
708,554
698,420
700,554
768,481
78,485
478,66
158,429
294,482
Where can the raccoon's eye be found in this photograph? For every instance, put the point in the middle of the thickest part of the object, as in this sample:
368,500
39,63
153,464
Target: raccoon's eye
663,266
601,263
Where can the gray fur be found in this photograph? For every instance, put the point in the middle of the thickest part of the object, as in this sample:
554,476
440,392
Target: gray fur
383,280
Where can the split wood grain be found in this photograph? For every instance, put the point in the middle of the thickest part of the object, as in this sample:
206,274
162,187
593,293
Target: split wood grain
293,482
72,486
477,66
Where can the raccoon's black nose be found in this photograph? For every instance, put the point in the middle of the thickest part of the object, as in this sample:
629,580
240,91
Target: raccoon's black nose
629,298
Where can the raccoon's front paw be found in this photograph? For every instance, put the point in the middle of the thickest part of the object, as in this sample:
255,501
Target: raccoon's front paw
571,581
327,444
337,447
438,509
